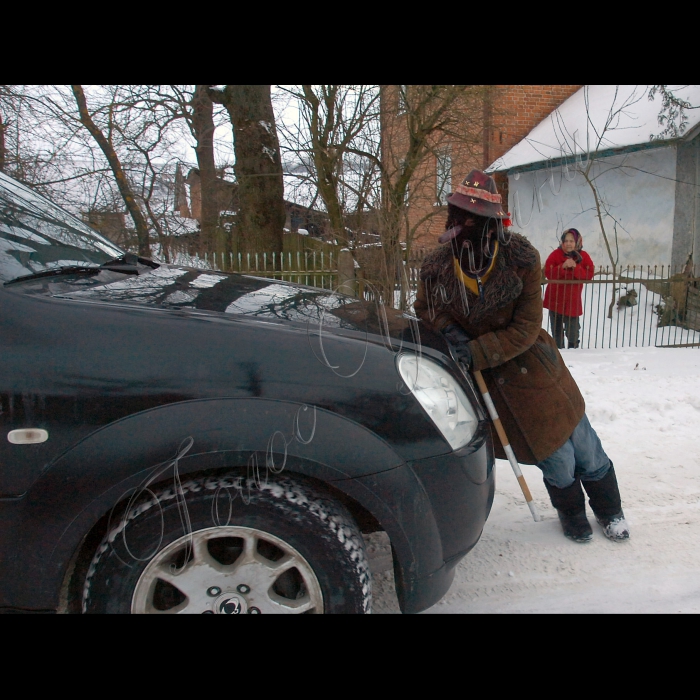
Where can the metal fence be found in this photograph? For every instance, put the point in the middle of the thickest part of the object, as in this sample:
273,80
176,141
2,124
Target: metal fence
638,306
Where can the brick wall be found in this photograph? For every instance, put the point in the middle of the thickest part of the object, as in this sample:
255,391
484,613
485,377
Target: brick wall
518,109
514,111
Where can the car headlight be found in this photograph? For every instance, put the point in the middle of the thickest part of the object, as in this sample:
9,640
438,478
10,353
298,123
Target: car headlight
442,398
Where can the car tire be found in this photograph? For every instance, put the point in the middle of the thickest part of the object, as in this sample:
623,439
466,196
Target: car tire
230,545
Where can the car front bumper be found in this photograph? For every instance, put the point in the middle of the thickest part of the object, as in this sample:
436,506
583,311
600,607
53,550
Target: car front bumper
434,511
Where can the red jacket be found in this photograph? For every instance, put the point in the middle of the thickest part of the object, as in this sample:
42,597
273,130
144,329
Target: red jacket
566,298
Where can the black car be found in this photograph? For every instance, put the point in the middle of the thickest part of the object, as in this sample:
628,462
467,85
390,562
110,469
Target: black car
184,440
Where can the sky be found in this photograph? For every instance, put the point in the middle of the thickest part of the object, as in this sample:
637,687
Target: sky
645,405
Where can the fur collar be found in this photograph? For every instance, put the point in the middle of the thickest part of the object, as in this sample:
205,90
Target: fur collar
446,293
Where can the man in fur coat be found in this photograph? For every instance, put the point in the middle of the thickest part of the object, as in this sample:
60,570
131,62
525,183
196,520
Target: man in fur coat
482,291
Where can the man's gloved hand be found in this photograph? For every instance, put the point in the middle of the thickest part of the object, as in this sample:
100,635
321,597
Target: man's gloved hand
459,340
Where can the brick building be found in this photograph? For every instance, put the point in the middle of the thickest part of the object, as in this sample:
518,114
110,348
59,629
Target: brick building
484,126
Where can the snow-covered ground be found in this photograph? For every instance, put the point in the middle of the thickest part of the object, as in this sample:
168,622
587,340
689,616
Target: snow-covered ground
645,405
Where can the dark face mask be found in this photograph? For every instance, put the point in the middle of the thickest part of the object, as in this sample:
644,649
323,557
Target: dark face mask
477,233
472,230
474,247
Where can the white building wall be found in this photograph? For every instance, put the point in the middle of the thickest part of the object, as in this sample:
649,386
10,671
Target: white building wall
638,187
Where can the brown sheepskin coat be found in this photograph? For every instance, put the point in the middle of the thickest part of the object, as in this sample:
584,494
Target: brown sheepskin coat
536,397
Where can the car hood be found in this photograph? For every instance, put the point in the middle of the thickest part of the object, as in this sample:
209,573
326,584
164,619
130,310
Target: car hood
269,300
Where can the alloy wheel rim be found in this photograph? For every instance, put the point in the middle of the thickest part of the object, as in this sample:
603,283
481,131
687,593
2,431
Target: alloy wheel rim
228,570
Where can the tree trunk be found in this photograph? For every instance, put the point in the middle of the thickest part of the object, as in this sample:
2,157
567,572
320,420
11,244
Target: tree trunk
613,259
325,158
391,249
327,182
116,166
203,125
258,168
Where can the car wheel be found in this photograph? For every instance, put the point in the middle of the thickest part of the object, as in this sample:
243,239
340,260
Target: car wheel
226,545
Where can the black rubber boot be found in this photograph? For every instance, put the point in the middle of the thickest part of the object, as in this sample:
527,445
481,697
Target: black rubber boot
604,497
571,509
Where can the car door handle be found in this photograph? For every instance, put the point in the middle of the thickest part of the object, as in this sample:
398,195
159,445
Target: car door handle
27,436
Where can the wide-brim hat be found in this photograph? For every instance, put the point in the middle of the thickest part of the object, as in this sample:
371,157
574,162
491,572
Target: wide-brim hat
478,194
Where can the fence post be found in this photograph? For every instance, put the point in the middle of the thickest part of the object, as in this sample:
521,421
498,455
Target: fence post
679,292
346,272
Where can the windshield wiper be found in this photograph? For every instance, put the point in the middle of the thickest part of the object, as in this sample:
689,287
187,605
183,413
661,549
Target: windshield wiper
66,270
128,262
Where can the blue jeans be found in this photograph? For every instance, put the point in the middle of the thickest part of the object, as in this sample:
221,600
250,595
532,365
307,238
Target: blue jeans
581,456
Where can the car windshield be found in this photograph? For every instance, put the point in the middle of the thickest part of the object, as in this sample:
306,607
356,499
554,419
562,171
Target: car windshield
36,235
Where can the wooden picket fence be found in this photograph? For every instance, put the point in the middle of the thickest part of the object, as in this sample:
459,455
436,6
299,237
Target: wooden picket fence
310,268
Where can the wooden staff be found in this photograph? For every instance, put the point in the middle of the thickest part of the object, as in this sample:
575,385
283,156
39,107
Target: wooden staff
506,445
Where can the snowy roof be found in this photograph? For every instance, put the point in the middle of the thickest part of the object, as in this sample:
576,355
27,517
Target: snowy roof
598,118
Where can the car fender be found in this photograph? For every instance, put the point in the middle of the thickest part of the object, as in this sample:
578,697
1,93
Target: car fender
209,434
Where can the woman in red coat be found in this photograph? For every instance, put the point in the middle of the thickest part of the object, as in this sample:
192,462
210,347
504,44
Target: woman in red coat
568,262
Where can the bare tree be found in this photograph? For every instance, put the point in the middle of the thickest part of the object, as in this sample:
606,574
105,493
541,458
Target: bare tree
156,120
203,130
8,107
105,144
672,115
594,167
418,122
258,166
21,156
359,152
195,106
371,147
335,120
148,128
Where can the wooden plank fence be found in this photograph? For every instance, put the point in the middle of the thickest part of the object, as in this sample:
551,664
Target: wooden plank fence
310,267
